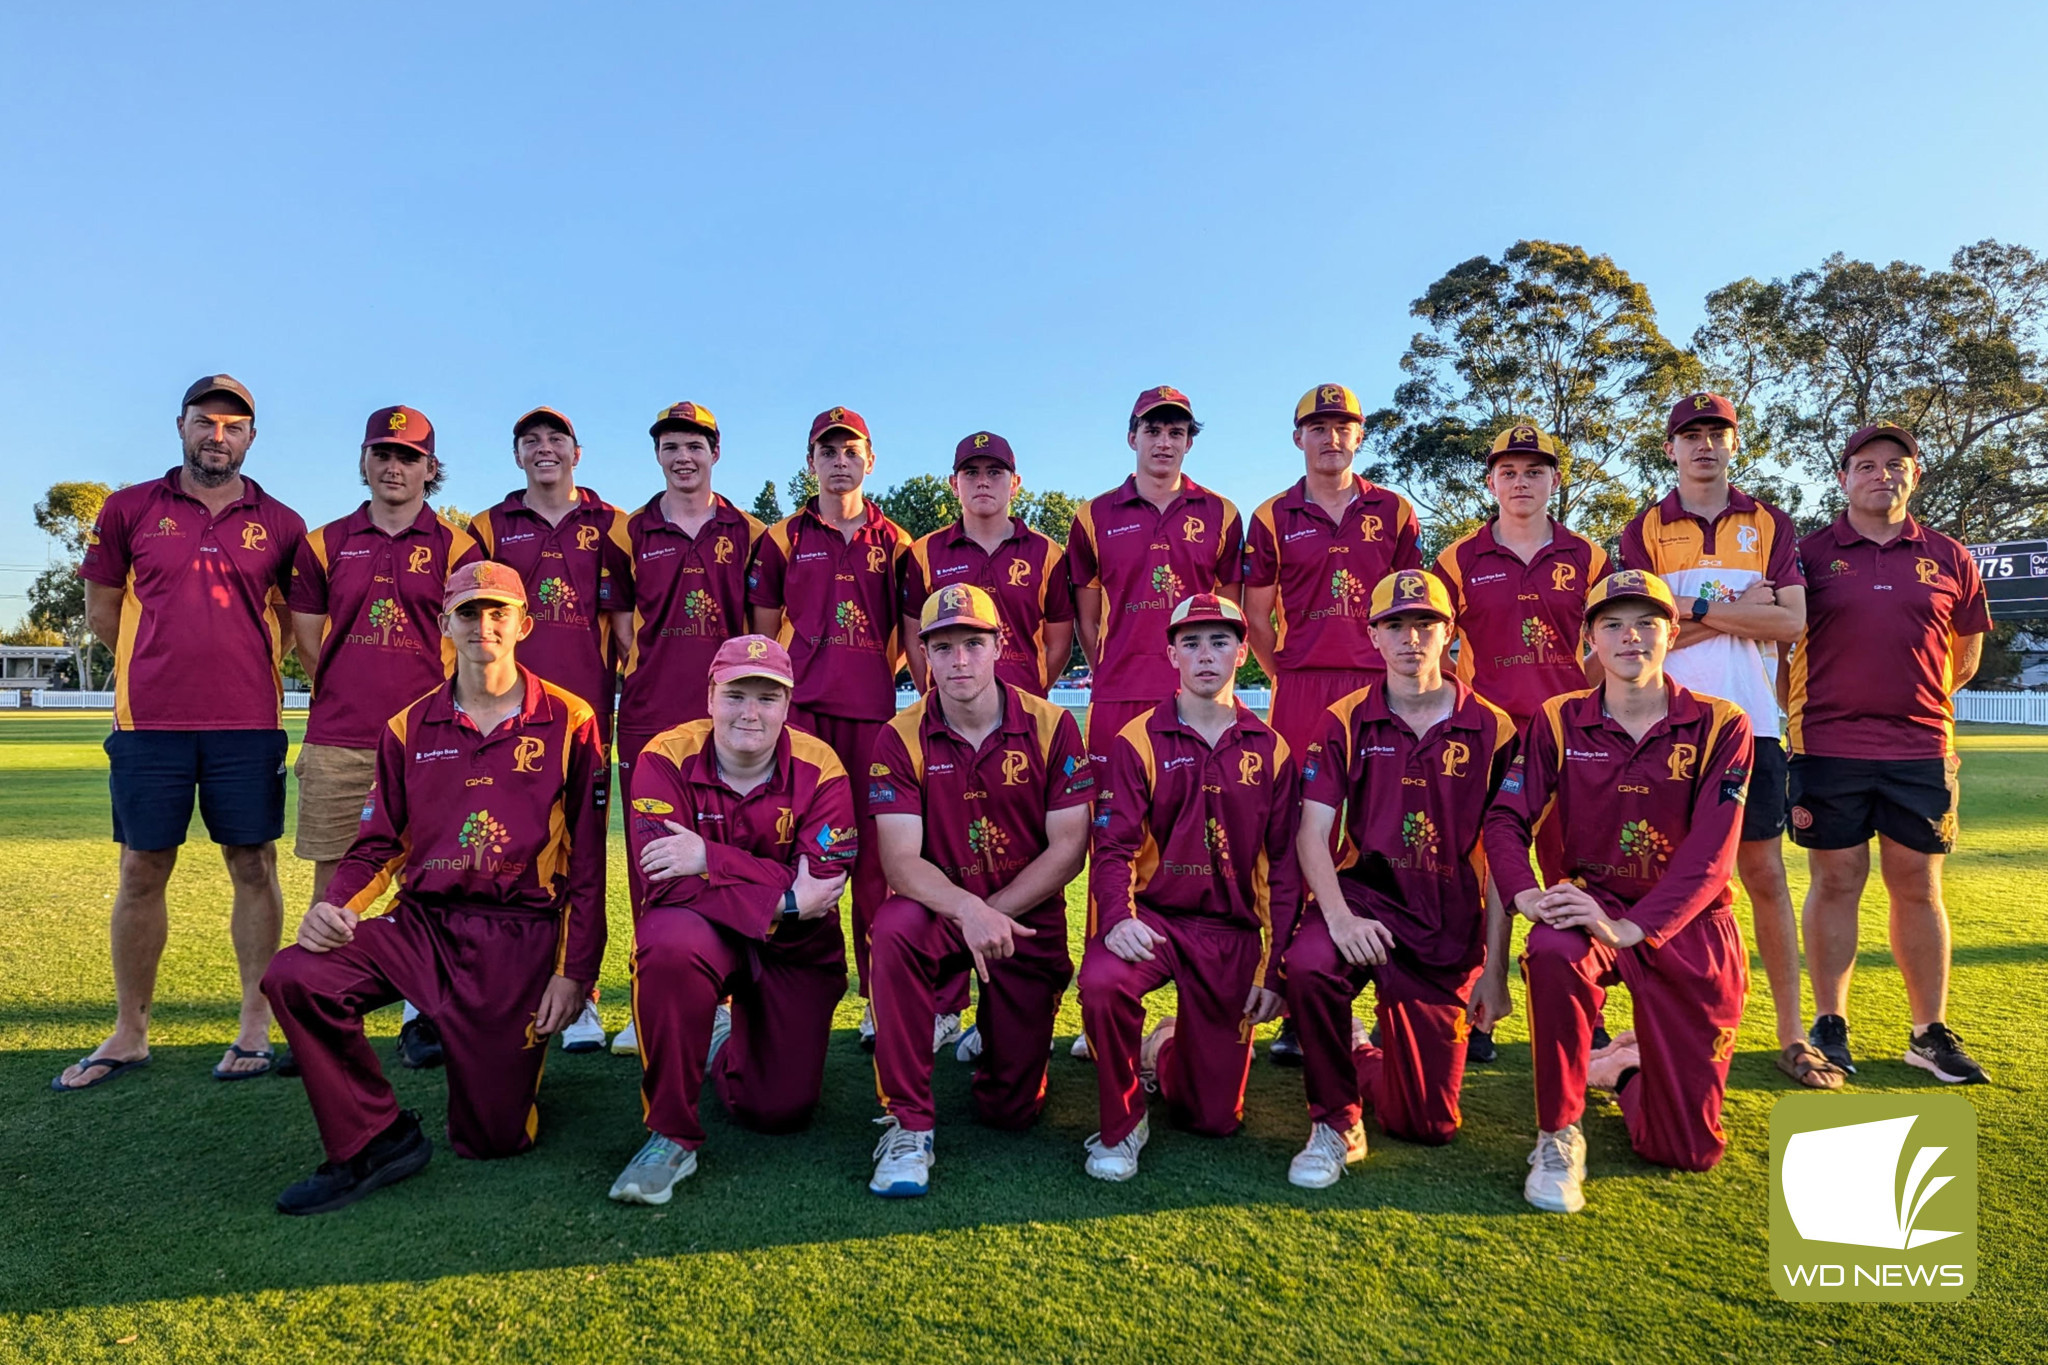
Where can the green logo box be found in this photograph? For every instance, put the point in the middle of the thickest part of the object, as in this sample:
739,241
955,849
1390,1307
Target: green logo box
1873,1198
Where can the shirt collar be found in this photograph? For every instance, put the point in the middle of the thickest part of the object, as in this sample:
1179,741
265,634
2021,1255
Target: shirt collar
871,513
1166,720
536,707
722,512
956,534
1015,720
1127,492
1671,509
252,492
701,768
359,521
586,501
1847,534
1681,708
1464,715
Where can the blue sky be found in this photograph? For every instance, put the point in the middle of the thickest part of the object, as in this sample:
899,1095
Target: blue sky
947,217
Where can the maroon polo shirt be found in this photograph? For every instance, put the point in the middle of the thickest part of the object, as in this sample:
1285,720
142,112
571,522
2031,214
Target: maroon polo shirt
1187,830
688,595
381,595
513,820
1414,807
1649,828
752,842
1519,624
1325,571
573,571
200,645
983,807
1145,561
1874,674
1027,578
841,602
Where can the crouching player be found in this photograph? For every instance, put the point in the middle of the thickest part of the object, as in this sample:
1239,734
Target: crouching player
488,807
742,830
980,795
1647,783
1193,882
1412,761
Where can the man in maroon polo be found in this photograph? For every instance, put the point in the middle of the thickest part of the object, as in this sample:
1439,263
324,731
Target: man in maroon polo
1896,616
1412,761
485,812
828,583
980,793
1192,881
184,582
742,829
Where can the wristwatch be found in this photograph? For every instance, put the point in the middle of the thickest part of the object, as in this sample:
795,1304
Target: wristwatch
789,910
1699,607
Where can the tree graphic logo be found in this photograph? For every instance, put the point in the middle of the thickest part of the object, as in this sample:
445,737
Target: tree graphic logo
557,596
851,618
386,615
1165,581
1348,590
1538,635
1216,837
482,833
700,606
1418,830
1640,840
986,837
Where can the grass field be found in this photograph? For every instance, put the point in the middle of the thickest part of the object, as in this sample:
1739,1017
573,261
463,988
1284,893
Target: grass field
136,1221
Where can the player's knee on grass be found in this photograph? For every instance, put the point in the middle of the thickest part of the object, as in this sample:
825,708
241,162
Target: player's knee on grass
674,946
292,978
897,922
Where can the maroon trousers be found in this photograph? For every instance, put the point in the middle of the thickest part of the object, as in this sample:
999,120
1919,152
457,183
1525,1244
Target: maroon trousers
771,1071
1414,1077
1202,1068
1688,1003
478,973
854,742
1106,718
916,955
1302,698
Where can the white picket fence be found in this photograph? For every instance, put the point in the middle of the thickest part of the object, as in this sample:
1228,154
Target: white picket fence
52,700
2003,708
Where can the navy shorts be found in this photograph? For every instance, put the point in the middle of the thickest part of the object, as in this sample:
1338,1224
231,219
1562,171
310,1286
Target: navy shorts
238,775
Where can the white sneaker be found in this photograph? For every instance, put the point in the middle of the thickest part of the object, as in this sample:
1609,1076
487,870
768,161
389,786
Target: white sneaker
721,1029
651,1176
945,1029
970,1045
1321,1163
903,1161
1148,1055
628,1042
1359,1036
867,1026
587,1033
1121,1161
1080,1048
1557,1172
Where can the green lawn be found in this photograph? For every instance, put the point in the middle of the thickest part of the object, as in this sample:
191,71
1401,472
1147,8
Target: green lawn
136,1221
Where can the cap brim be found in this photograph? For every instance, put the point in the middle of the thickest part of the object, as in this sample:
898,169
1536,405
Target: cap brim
239,397
959,623
482,596
1411,609
1548,457
734,674
1143,413
1669,609
402,444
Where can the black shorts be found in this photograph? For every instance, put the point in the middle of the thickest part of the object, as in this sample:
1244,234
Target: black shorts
238,775
1764,816
1841,802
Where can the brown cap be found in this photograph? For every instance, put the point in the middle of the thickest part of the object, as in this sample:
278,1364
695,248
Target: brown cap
984,445
483,580
1632,583
1410,590
1698,407
400,426
552,416
209,384
1206,608
962,605
752,656
1879,431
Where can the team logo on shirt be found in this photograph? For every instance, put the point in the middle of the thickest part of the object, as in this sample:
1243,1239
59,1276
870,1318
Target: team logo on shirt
557,598
1561,576
1192,528
527,754
878,559
1724,1046
166,526
1681,761
1166,581
1347,590
785,826
1457,757
1248,769
1373,526
1838,567
1928,571
650,805
986,837
1020,573
586,538
721,550
1015,767
483,835
385,616
1217,838
1746,538
1539,636
255,536
851,619
1644,846
421,560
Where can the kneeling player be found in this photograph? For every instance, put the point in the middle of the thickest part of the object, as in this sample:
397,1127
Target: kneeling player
1647,782
1194,855
980,795
728,817
489,806
1412,761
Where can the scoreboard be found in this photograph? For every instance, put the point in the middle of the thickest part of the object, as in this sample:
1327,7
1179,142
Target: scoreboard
2015,578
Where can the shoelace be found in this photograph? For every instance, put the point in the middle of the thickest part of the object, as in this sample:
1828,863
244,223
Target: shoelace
1328,1142
659,1151
1551,1154
898,1142
1939,1035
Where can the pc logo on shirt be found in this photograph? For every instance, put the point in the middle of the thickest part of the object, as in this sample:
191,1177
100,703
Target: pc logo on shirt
1873,1198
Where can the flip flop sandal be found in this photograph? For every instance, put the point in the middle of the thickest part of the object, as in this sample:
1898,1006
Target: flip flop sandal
1806,1064
108,1067
244,1054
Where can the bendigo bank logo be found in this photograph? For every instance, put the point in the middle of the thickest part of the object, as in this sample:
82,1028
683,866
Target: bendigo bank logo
1681,761
527,754
1457,757
1248,768
586,538
255,536
1882,1208
1561,576
1928,571
421,560
1016,765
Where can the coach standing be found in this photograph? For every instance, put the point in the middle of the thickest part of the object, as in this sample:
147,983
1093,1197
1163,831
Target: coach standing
185,582
1895,624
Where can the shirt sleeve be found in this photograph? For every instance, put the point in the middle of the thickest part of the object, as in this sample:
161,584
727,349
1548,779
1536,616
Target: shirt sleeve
1704,860
764,576
1283,872
1261,554
1059,593
915,587
585,795
1972,615
1407,537
615,565
308,592
381,847
826,833
1230,549
1325,775
1525,790
1632,553
893,786
1069,776
1082,570
106,546
1120,809
1784,570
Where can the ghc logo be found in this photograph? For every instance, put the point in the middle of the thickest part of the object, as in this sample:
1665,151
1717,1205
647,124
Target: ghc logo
1874,1198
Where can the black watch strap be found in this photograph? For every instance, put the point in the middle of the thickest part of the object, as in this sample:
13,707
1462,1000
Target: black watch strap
789,910
1699,608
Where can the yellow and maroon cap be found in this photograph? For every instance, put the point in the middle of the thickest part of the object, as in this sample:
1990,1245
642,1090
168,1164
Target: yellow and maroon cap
1328,400
1640,584
207,385
1206,608
1879,431
1698,407
483,580
752,656
685,414
962,605
400,426
984,445
551,416
1523,438
1410,590
842,419
1162,396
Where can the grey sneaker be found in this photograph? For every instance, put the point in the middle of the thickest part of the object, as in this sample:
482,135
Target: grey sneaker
721,1029
651,1176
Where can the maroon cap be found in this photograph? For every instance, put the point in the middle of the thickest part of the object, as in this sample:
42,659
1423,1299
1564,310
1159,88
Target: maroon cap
484,579
752,656
984,445
552,416
1698,407
845,419
209,384
1164,396
1206,608
1879,431
400,426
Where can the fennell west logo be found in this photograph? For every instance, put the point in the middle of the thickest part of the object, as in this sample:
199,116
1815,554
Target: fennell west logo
1873,1198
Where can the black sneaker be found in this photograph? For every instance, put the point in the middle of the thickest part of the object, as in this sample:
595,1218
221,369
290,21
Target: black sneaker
419,1043
1600,1038
1285,1049
1830,1033
1479,1047
286,1064
1940,1050
397,1152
